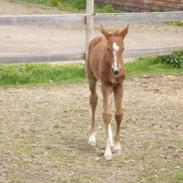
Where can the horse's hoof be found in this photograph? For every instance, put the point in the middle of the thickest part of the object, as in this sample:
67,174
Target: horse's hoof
117,149
92,143
108,157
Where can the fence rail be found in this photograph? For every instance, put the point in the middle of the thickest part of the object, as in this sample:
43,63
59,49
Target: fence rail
88,19
80,19
138,17
31,58
62,19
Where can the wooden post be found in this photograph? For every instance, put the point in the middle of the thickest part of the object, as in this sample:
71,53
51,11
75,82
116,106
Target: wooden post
89,23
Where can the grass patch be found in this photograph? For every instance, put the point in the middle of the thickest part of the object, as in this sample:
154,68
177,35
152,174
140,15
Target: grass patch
106,9
145,174
119,162
151,66
177,23
23,74
74,5
178,176
49,74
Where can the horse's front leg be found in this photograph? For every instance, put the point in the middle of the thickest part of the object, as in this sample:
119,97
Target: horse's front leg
107,91
118,94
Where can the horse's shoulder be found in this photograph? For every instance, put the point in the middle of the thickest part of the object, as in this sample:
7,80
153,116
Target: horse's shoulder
96,40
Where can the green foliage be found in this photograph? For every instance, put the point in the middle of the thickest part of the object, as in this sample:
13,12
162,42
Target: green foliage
21,74
33,74
106,9
150,66
178,23
74,5
66,5
69,5
175,59
38,1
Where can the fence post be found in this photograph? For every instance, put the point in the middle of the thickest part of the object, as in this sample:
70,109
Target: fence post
89,24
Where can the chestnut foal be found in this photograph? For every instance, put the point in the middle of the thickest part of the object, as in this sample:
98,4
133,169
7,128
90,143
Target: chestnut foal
105,63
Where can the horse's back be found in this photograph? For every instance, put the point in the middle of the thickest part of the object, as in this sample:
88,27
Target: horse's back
95,54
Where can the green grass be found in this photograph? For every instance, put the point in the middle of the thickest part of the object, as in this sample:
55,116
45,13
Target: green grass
49,74
33,74
146,175
177,23
151,66
178,176
74,5
106,9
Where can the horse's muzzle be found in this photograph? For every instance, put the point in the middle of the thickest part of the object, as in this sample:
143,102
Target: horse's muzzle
115,71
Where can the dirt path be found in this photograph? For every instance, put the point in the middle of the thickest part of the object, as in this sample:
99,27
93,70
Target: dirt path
43,134
59,39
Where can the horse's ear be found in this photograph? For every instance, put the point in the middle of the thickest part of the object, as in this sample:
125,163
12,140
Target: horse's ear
105,32
124,32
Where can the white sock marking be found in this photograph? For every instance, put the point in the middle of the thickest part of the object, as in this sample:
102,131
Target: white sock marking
108,154
92,138
110,136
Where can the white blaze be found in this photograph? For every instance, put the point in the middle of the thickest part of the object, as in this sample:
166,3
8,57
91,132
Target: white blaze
115,50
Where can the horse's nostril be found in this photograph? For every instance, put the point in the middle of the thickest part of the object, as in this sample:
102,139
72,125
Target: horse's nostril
115,72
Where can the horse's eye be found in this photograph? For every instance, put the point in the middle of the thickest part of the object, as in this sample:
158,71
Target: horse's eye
108,49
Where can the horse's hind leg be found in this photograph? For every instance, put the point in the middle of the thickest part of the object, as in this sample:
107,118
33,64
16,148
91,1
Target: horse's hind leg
93,104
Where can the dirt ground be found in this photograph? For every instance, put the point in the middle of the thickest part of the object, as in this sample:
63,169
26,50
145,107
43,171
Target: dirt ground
44,134
55,39
44,130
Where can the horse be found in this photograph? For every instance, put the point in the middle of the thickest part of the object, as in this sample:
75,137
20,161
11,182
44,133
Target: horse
105,63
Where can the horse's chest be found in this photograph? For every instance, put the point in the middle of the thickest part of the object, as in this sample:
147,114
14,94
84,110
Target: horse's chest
112,81
116,81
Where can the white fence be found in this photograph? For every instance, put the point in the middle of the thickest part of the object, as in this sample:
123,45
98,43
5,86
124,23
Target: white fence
89,19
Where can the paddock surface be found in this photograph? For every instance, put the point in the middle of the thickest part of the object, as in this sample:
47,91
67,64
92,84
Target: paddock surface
44,134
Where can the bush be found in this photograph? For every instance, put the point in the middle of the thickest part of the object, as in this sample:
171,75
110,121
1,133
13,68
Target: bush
69,5
178,23
175,59
75,5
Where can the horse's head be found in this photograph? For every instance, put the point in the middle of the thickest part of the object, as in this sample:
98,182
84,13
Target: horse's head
115,48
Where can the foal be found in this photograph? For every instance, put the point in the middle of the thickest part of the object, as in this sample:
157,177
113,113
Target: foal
105,63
